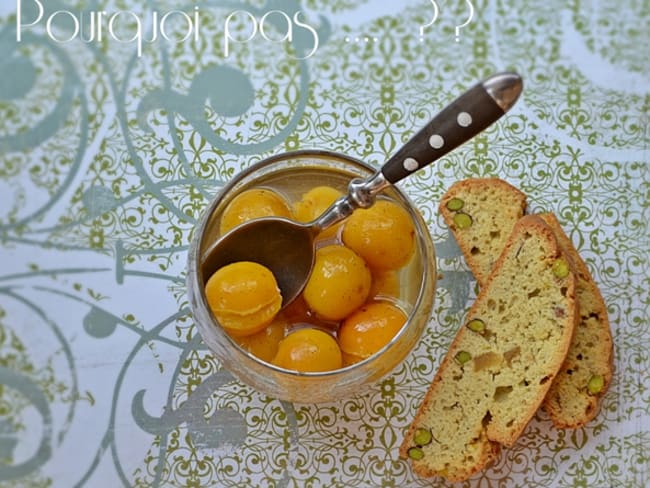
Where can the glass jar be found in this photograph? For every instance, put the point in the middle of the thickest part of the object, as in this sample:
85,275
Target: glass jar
292,174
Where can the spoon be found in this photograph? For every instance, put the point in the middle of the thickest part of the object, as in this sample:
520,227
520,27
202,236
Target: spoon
287,247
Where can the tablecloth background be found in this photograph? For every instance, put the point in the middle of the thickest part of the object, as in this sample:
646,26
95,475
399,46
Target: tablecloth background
108,157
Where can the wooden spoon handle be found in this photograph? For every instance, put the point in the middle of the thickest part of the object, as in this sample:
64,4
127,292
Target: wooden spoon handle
464,118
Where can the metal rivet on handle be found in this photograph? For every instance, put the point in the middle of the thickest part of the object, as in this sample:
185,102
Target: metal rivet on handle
410,164
464,119
436,141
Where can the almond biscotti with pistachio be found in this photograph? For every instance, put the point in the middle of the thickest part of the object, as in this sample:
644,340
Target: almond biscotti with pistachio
574,397
483,210
502,361
481,213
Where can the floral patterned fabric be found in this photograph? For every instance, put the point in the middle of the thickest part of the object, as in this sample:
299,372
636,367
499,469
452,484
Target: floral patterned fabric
109,155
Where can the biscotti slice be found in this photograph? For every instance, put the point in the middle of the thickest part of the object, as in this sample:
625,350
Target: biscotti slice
501,362
575,394
481,213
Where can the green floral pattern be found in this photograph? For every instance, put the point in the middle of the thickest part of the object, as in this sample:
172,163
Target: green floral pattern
108,159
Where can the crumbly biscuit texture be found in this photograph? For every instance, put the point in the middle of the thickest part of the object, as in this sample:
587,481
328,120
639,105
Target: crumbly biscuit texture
574,397
502,361
481,213
492,206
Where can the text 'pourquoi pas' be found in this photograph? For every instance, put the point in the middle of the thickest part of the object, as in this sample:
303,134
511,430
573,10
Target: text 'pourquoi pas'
129,27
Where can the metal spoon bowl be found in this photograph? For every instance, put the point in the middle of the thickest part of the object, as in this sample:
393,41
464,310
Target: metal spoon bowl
287,247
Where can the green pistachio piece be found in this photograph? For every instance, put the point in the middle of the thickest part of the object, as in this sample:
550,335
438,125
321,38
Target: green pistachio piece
560,268
422,436
462,220
462,357
596,384
455,204
476,325
415,453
